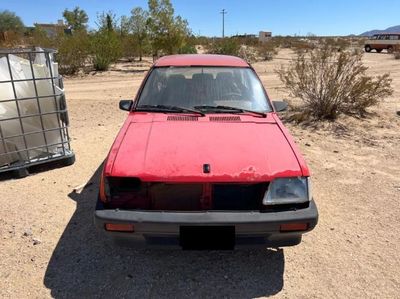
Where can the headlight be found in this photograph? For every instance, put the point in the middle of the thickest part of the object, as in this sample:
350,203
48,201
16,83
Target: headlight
287,191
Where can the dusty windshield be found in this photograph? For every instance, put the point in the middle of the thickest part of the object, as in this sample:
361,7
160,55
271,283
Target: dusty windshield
197,87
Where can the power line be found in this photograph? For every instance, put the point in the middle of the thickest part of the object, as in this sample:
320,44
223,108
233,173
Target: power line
223,12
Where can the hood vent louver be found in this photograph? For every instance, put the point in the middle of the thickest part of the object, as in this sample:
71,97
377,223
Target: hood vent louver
182,118
225,118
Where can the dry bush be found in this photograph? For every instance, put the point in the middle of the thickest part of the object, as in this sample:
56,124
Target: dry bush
301,47
106,49
10,39
267,50
331,83
38,37
129,50
225,46
283,41
295,43
338,43
247,53
188,49
73,52
396,53
232,46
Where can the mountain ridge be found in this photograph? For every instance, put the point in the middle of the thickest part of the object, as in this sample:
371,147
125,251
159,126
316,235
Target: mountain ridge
392,29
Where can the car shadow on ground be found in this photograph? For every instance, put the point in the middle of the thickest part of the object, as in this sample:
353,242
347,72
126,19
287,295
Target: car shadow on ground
85,264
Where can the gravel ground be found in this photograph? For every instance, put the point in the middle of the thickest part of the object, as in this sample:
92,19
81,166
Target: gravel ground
50,248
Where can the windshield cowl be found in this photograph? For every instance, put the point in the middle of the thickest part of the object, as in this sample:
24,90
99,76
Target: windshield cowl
228,109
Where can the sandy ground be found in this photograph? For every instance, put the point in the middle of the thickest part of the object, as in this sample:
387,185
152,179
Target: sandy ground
352,253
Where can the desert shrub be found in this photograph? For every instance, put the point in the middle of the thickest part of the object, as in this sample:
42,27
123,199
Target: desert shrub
248,53
247,40
339,43
106,49
330,83
73,52
187,49
226,46
302,46
396,53
283,41
202,40
129,49
295,43
267,50
39,38
10,39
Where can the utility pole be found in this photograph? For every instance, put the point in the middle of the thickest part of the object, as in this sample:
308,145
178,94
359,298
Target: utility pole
223,12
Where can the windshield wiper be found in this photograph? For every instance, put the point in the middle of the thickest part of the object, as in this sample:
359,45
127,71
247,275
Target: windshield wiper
231,109
168,108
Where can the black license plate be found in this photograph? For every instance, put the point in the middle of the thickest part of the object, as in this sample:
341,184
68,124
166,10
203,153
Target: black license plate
207,237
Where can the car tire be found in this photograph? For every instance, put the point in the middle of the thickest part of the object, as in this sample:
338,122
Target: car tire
390,49
378,50
367,48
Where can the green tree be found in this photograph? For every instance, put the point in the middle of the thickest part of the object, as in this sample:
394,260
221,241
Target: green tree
139,29
125,25
107,21
167,32
9,21
76,18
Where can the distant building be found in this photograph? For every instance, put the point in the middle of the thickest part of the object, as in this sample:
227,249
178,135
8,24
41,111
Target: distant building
264,36
52,29
245,35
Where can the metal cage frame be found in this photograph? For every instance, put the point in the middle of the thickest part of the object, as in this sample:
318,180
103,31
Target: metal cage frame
64,154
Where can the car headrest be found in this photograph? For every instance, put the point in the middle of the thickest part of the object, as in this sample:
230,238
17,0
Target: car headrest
176,78
224,76
202,76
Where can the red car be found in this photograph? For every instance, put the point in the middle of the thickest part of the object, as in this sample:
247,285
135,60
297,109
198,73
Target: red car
203,161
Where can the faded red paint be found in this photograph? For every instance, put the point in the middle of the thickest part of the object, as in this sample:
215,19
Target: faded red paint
200,60
254,149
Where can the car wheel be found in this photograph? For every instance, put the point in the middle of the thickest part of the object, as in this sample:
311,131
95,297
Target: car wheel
367,48
378,50
390,49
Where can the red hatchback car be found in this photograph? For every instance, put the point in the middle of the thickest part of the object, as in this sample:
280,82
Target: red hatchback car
204,162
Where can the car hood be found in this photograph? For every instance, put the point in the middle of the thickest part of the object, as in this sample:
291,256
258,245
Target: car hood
249,150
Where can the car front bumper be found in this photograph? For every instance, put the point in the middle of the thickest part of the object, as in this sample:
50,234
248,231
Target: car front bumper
156,228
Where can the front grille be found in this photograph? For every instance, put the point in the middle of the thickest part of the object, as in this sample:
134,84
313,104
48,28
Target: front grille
175,197
238,197
130,193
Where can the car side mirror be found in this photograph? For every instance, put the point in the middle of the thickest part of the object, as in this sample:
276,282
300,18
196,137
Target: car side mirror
280,105
125,105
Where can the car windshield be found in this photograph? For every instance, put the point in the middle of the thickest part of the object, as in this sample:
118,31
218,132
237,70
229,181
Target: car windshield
209,89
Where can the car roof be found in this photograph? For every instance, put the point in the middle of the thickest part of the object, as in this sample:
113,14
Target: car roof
200,60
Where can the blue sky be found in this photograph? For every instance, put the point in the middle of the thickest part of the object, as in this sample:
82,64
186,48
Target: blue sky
282,17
